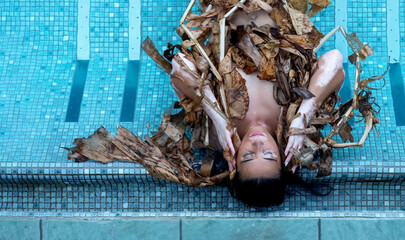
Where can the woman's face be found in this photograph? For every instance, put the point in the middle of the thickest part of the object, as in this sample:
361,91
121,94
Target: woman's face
258,155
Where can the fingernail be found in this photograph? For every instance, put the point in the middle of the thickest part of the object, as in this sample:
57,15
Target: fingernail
286,163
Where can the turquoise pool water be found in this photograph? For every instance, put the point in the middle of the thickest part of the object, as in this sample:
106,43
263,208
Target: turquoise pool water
56,85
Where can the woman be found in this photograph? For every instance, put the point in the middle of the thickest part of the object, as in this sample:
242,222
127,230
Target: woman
259,179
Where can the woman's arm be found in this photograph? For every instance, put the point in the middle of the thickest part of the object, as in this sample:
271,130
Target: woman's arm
184,84
327,78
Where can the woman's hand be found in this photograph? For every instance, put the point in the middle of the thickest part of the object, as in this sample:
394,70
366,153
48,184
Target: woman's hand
225,139
294,141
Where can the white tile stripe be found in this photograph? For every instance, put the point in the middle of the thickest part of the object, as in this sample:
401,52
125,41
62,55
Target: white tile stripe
134,18
393,30
83,30
341,19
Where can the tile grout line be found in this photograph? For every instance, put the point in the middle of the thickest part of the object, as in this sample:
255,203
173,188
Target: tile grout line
181,230
40,229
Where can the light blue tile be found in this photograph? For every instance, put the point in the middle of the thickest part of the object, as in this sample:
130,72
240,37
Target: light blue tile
144,229
111,229
17,229
234,229
359,229
76,229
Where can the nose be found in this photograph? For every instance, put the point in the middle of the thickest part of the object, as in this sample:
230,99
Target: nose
257,143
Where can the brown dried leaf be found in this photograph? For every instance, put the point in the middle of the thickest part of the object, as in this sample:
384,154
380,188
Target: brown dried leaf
304,27
206,165
238,81
263,5
238,102
153,53
210,14
213,43
227,154
242,62
299,131
225,3
225,66
268,69
303,92
345,132
364,52
173,132
186,44
317,6
256,39
364,83
236,141
201,63
194,23
320,3
201,33
292,109
241,39
300,40
254,5
282,18
270,49
314,10
300,5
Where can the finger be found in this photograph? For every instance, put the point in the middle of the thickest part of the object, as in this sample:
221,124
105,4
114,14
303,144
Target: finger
230,167
287,160
230,144
294,168
288,147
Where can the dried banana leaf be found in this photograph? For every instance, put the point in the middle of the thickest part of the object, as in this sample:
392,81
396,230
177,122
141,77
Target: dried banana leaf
283,55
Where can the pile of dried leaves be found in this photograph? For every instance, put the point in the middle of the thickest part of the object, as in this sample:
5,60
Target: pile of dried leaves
284,55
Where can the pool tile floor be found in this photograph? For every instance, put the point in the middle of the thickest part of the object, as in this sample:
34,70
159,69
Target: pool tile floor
195,229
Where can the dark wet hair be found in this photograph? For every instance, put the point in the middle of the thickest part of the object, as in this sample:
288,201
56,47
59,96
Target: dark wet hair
259,192
270,191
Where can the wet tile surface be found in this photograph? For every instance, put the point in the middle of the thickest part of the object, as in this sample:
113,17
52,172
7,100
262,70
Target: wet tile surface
27,229
359,229
109,229
235,229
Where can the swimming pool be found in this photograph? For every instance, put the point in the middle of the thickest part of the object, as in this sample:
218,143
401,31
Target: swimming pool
44,62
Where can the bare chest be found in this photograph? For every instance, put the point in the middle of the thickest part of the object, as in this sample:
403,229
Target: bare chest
262,106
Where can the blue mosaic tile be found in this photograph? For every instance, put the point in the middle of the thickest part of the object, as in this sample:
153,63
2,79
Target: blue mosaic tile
165,199
37,63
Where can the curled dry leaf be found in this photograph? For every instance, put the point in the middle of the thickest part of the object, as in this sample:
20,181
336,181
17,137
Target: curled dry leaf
241,39
151,50
227,154
303,92
238,102
364,52
317,6
304,27
268,69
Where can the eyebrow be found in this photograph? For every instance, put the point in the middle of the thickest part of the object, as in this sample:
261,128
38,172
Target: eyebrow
268,159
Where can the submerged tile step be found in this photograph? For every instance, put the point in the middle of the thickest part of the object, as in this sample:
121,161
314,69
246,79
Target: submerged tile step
124,172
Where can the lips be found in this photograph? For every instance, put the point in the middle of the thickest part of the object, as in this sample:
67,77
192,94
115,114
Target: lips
256,134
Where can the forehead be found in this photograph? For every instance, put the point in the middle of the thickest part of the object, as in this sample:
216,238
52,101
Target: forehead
259,169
